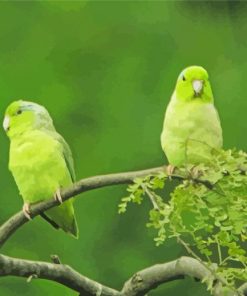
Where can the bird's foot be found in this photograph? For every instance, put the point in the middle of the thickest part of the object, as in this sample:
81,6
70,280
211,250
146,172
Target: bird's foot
26,210
170,170
57,196
195,172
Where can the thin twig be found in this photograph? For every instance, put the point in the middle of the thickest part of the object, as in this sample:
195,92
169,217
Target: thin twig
55,259
219,250
217,278
151,196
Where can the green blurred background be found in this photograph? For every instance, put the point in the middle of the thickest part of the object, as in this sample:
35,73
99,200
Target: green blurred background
105,71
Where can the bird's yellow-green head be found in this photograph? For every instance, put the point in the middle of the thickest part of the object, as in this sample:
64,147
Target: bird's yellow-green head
193,84
22,116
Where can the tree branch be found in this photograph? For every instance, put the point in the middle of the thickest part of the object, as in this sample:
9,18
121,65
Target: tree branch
139,284
243,289
17,220
59,273
150,278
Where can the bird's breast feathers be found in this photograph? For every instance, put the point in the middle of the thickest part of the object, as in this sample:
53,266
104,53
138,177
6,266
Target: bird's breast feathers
191,118
190,121
32,149
38,165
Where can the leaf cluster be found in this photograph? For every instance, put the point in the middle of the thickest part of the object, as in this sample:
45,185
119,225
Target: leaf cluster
207,210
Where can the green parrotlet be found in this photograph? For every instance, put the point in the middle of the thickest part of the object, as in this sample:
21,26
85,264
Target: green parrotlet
192,128
40,161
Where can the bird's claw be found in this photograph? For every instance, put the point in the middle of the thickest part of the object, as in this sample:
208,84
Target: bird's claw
195,172
58,197
170,170
26,210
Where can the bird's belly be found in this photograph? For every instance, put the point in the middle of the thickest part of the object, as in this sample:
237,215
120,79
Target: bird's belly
191,136
38,171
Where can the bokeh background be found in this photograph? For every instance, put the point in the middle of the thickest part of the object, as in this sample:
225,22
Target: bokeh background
106,71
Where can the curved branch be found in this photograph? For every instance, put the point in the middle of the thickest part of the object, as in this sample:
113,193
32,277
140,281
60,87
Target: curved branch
150,278
17,220
243,289
59,273
139,284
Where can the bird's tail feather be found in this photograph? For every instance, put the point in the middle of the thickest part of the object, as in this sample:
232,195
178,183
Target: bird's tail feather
74,231
63,217
52,223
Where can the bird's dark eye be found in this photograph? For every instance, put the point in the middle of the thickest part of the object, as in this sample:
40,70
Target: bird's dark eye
19,112
183,78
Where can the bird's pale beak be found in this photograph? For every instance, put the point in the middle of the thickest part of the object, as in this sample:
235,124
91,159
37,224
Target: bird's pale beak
197,86
6,123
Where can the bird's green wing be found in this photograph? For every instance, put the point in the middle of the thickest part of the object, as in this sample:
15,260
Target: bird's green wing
66,211
67,156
